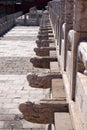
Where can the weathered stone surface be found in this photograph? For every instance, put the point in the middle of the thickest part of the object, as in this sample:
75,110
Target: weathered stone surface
42,80
43,51
69,7
68,25
82,57
70,39
42,62
42,111
14,88
66,124
62,10
66,45
80,99
81,67
44,43
45,31
80,20
45,28
45,36
61,21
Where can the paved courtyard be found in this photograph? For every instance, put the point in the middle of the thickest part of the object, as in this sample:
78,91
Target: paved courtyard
16,49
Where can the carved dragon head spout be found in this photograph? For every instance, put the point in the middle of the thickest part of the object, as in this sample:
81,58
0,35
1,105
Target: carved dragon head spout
42,111
38,81
42,80
36,113
37,62
33,80
40,62
27,110
38,41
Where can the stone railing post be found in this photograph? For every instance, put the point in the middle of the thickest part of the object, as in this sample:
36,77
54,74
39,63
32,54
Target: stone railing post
80,33
69,6
54,11
61,21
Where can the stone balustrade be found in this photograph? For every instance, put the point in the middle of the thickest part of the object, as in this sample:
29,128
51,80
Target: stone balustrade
7,22
72,56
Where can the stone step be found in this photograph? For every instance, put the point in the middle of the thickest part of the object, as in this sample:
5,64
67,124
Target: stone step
63,121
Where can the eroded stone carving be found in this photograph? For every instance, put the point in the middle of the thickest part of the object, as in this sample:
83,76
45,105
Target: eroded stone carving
44,43
42,80
42,62
42,111
45,36
43,51
45,28
45,31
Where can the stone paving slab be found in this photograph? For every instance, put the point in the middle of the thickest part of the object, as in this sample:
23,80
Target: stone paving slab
20,124
17,38
16,49
25,129
15,90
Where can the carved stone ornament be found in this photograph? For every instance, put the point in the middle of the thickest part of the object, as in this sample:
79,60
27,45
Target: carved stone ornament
42,62
42,111
43,51
42,80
